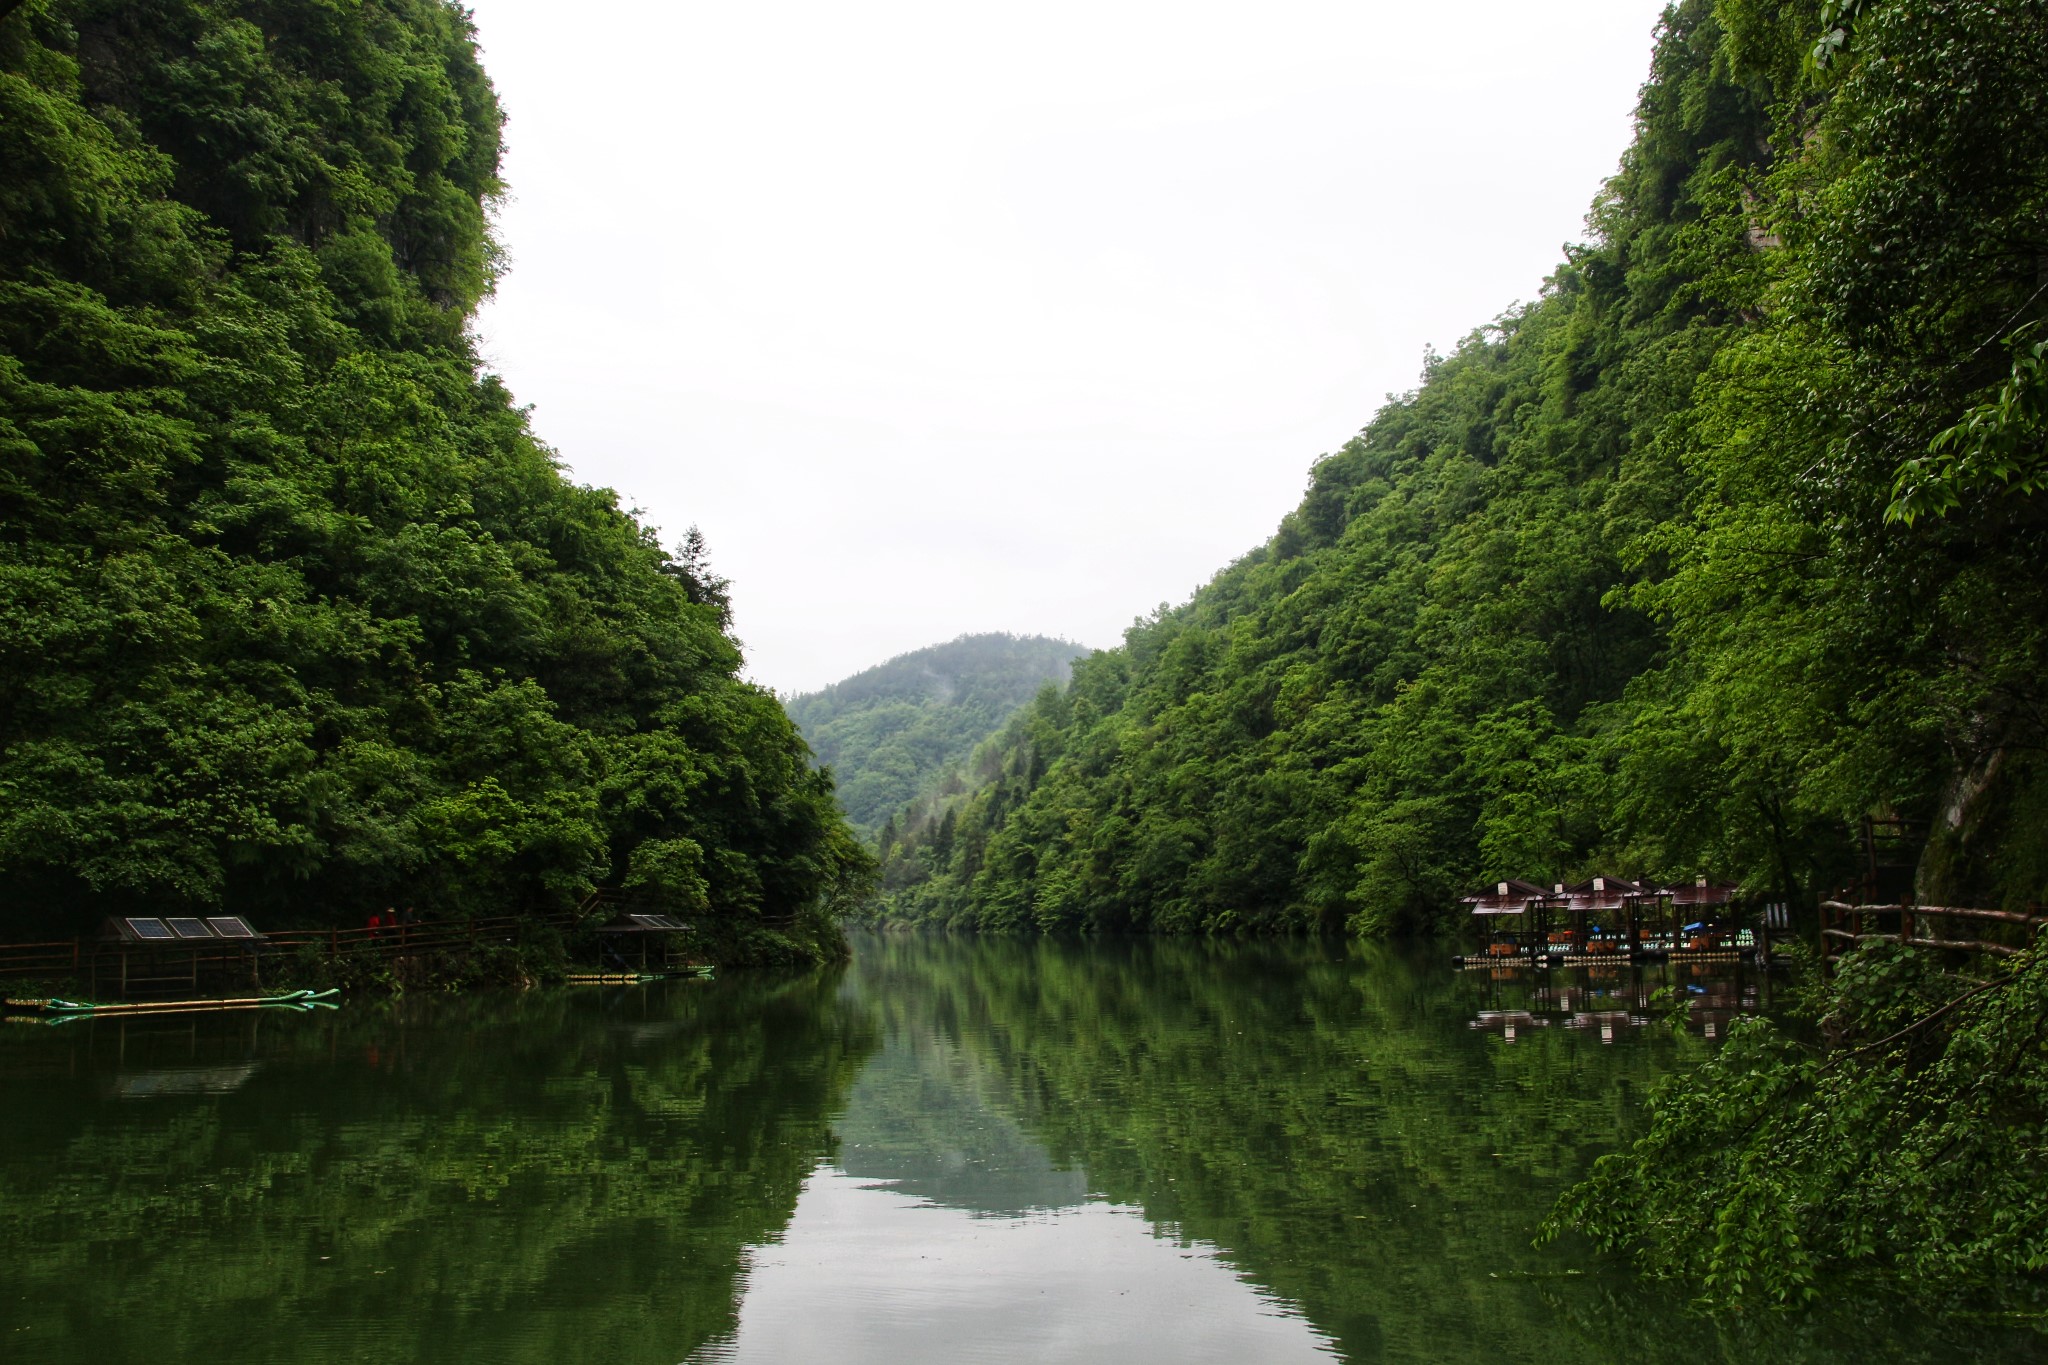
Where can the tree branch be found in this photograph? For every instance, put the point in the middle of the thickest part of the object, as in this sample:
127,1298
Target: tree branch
1922,1022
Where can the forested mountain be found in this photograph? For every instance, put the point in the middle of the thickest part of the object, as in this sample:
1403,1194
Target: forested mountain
1729,540
297,617
1720,545
888,731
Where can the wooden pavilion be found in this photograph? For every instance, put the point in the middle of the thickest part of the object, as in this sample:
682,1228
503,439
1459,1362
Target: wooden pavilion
1602,918
1515,917
1702,921
656,938
142,954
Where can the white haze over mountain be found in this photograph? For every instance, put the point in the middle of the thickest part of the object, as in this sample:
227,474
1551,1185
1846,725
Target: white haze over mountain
942,318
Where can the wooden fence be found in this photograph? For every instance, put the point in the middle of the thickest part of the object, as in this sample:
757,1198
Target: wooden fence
426,936
1843,925
71,957
47,960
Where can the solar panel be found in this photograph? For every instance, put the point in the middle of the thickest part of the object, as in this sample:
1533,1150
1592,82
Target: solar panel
148,928
190,928
231,926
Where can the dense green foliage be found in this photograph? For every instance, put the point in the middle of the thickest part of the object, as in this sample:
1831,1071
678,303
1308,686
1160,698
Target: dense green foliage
296,615
1893,381
891,731
1717,547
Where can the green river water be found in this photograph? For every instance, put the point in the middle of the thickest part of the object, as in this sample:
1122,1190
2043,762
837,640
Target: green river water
948,1151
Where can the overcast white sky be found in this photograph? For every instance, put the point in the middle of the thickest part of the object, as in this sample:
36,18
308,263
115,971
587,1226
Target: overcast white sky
948,317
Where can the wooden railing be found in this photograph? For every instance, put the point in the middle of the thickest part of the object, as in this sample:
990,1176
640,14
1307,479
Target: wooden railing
56,959
394,940
1844,925
68,957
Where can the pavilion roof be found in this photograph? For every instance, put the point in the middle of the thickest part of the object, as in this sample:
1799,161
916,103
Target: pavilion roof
1701,891
1509,897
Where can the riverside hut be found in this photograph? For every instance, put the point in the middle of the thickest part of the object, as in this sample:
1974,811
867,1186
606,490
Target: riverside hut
143,954
1514,916
1703,922
1600,918
655,937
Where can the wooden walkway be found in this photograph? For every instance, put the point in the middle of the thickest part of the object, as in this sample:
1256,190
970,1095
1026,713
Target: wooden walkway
72,956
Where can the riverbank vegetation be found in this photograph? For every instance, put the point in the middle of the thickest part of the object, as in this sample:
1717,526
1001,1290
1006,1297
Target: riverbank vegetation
890,732
297,616
1909,1146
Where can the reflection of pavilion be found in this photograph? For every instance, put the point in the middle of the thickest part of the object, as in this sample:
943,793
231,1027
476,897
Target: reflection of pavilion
1509,1023
1614,999
154,1056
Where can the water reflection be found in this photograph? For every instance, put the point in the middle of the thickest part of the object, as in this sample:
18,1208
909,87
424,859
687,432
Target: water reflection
1326,1124
564,1177
1612,1001
928,1116
953,1150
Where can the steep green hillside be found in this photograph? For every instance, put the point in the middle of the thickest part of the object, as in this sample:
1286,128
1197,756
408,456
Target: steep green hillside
296,615
1729,540
888,731
1626,583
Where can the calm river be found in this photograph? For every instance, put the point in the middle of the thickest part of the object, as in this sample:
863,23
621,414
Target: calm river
950,1151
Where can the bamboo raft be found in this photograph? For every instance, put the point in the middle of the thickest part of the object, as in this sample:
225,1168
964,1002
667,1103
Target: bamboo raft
635,978
80,1009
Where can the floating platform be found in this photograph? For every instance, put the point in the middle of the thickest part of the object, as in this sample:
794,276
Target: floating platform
55,1009
635,978
1525,961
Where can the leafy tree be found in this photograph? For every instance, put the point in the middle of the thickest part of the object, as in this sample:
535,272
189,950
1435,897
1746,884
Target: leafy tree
296,614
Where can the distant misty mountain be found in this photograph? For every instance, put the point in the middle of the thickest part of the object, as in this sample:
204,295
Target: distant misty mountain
888,731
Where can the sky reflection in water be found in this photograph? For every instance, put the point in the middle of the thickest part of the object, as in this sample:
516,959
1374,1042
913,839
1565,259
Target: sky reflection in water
867,1274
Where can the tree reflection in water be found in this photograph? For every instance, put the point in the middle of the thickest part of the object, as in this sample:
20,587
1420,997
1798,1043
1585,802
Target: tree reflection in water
1318,1132
546,1177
